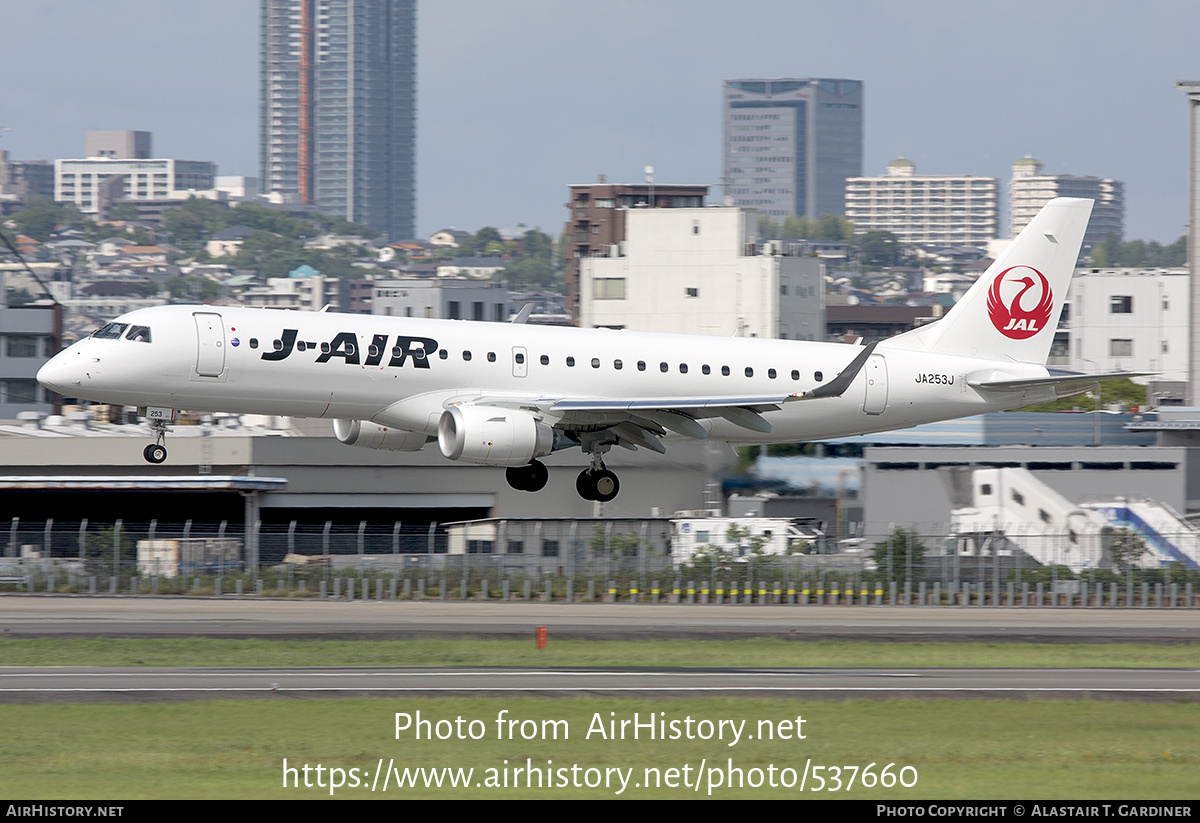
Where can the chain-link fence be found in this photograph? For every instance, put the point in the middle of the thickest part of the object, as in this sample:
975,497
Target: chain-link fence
619,560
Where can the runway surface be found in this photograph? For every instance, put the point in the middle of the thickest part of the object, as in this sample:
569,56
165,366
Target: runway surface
85,684
59,616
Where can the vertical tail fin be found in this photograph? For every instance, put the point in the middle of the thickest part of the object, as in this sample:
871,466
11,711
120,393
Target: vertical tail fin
1012,310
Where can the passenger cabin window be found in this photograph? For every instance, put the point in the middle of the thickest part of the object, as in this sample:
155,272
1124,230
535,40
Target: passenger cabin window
570,361
725,370
595,362
545,359
491,357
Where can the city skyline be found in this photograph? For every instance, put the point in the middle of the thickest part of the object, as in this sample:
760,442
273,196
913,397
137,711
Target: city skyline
519,100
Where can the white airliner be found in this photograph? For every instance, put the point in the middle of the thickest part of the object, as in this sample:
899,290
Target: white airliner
505,394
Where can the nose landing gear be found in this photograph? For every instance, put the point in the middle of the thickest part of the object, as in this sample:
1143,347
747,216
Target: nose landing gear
156,452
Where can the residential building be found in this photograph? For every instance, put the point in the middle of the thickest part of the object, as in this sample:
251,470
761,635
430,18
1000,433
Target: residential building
94,183
1030,189
925,208
1132,320
338,108
598,215
117,145
703,271
791,144
441,298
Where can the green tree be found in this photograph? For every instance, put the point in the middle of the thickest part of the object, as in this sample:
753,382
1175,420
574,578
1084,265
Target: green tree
796,228
900,555
1118,391
1125,548
531,272
834,229
767,227
880,248
42,216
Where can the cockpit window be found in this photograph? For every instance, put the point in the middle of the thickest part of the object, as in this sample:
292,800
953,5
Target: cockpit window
111,331
141,333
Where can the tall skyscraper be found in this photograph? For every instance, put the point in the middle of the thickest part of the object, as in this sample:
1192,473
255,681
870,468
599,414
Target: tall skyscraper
338,108
790,144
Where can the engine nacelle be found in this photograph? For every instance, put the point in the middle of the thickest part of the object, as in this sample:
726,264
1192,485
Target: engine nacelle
367,435
493,436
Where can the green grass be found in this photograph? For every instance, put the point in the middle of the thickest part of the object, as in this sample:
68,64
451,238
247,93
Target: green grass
455,651
959,749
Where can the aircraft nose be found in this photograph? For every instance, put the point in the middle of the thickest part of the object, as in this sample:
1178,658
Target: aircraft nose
61,373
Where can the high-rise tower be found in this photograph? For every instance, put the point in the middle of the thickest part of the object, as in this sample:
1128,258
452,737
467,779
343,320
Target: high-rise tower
338,108
790,144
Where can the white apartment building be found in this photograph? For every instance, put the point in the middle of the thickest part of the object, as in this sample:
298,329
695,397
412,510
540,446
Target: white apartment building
92,184
1029,190
702,271
925,208
1132,320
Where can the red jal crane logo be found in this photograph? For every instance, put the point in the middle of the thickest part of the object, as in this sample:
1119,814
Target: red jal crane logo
1013,320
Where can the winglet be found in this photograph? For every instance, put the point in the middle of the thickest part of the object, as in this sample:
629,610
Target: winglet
838,385
521,316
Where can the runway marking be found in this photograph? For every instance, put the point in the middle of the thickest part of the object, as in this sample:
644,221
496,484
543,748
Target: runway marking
266,689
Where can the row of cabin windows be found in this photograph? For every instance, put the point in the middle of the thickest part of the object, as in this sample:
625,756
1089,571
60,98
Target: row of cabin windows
641,365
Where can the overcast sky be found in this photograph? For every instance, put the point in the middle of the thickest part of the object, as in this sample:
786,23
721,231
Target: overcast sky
519,98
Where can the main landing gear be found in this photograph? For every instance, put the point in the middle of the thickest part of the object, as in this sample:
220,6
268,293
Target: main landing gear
156,452
597,484
530,478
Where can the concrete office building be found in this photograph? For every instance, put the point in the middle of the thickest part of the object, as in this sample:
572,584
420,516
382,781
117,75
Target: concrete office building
441,299
598,215
1131,320
703,271
95,183
338,108
29,335
925,208
790,144
1030,189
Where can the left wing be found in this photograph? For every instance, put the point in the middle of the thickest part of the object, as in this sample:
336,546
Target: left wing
641,421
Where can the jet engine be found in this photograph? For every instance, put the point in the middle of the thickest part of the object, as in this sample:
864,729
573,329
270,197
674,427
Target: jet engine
367,435
493,436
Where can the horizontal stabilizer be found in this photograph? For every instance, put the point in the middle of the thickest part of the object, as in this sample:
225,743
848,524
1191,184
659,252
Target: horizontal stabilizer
1058,379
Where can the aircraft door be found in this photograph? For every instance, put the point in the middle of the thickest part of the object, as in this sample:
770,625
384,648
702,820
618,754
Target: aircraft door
210,344
876,398
520,361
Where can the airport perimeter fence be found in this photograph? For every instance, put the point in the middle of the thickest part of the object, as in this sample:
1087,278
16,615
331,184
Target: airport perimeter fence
559,561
